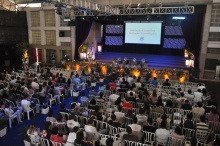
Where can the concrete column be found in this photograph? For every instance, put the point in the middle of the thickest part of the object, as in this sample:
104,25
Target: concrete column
73,40
42,25
204,43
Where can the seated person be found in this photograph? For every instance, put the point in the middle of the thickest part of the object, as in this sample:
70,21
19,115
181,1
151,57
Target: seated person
89,128
186,105
136,128
79,140
126,104
74,109
63,108
93,92
142,118
188,123
163,118
130,136
113,122
46,132
92,104
199,109
120,116
50,117
213,116
97,113
72,136
72,122
149,127
158,109
132,97
178,133
162,133
56,136
189,96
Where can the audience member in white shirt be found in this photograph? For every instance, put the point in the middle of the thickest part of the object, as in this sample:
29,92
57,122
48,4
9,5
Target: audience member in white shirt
91,130
189,96
129,79
120,116
113,97
72,136
134,126
198,96
199,109
162,134
72,122
34,84
142,119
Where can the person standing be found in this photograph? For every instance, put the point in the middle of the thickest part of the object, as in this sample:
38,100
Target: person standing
90,53
53,59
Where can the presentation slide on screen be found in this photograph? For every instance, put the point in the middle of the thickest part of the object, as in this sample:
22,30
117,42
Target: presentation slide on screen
143,33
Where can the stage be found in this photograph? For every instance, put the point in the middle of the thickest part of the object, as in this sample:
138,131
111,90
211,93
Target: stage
154,61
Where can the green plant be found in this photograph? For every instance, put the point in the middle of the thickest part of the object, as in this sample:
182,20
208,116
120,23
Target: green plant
83,47
3,122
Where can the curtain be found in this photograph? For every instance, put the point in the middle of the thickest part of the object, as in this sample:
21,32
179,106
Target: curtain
192,30
82,30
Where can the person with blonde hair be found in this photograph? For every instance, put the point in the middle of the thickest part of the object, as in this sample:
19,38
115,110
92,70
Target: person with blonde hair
34,132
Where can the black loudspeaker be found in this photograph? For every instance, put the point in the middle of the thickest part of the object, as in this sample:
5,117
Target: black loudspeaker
61,34
71,23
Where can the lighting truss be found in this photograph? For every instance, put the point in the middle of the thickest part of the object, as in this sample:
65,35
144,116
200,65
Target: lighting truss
158,10
144,11
87,5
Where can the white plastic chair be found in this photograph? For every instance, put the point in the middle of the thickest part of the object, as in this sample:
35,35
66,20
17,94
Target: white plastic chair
10,117
51,99
27,109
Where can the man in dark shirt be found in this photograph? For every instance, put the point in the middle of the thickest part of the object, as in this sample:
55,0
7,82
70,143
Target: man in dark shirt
166,83
189,123
113,122
186,105
125,82
61,79
149,127
130,136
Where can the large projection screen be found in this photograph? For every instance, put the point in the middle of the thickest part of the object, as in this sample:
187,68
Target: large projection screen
143,32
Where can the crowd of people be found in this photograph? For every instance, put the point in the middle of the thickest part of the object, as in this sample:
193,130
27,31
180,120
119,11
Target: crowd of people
132,103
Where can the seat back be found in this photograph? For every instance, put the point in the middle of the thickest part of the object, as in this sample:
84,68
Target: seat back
189,133
201,135
57,143
26,107
65,116
155,115
149,137
175,141
213,125
44,142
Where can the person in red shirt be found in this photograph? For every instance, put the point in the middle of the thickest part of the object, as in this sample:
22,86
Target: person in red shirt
126,104
55,137
113,85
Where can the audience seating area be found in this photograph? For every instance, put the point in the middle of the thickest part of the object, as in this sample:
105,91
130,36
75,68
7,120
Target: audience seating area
122,111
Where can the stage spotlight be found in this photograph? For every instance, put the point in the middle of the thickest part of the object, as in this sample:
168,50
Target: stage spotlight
180,18
59,11
82,18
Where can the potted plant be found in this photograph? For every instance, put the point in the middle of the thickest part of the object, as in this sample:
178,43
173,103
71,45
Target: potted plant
83,50
3,126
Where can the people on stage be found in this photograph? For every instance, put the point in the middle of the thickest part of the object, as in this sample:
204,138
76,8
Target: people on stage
25,63
90,54
53,59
